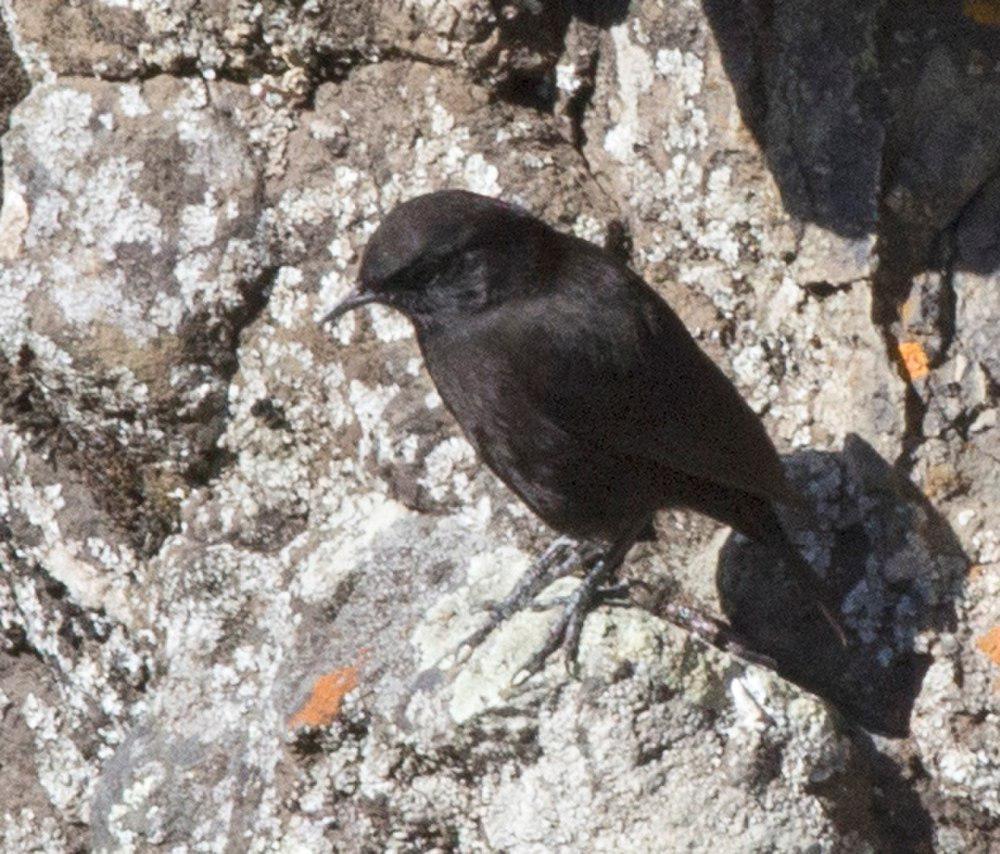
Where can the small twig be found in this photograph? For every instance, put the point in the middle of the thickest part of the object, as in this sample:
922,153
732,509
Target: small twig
712,631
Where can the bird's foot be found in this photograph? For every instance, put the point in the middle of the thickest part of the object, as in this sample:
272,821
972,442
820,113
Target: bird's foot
613,595
558,561
565,633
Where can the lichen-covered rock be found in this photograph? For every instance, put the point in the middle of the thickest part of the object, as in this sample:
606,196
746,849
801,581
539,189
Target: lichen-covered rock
238,549
132,260
289,47
13,80
75,656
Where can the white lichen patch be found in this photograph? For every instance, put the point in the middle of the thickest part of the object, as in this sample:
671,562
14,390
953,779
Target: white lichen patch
389,325
967,766
481,176
62,770
148,778
635,77
97,298
14,218
567,78
368,404
353,528
131,102
448,468
95,235
199,223
57,132
95,580
482,681
26,831
489,576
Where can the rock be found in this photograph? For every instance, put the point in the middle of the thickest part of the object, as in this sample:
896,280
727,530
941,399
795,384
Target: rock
896,566
977,303
401,734
833,367
289,47
947,155
822,129
976,233
138,206
13,81
824,260
239,548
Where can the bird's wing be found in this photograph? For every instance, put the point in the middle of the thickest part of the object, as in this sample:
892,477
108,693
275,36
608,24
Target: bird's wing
605,359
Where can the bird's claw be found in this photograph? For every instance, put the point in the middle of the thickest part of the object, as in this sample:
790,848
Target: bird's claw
537,661
463,652
557,561
566,631
614,595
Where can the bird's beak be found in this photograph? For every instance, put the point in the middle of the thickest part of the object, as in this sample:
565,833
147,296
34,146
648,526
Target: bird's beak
355,299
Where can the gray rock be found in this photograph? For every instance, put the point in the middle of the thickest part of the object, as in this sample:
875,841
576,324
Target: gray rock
977,301
138,207
238,549
13,80
288,48
822,129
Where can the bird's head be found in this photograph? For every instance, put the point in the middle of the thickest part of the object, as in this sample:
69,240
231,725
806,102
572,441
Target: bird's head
426,257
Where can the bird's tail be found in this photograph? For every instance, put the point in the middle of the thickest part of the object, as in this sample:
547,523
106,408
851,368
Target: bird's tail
812,585
766,527
755,517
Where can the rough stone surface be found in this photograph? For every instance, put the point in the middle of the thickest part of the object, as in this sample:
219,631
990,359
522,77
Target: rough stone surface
13,80
236,549
138,207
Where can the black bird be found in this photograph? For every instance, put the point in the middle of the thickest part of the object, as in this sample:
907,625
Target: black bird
577,384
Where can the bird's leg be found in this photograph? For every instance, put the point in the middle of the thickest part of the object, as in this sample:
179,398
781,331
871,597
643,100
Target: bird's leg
567,629
556,562
612,595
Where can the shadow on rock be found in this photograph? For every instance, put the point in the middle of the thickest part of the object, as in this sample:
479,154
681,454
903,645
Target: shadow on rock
895,564
532,40
600,13
875,118
873,800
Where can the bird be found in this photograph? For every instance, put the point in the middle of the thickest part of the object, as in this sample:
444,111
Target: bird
579,386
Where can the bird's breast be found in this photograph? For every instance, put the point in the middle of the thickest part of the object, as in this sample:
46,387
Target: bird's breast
464,384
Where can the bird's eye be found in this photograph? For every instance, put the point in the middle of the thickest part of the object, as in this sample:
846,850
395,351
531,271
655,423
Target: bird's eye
424,272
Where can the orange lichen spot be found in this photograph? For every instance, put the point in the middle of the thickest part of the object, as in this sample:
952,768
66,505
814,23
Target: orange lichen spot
324,701
990,644
986,12
914,359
